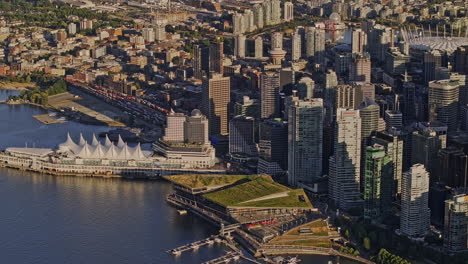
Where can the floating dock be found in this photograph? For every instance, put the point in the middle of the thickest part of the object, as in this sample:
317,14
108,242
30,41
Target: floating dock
232,255
193,246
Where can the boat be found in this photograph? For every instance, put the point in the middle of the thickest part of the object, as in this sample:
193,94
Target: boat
293,260
182,212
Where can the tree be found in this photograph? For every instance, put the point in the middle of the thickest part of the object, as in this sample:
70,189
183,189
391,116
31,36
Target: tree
366,243
346,233
176,60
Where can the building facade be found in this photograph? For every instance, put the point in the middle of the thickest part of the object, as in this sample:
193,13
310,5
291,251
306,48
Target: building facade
345,167
415,212
305,139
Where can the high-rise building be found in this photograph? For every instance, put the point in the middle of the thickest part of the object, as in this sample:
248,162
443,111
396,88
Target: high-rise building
216,95
258,47
393,146
378,180
217,57
286,78
247,107
393,119
249,18
86,24
310,41
159,26
426,143
239,46
258,15
329,95
452,169
273,147
148,34
396,63
238,23
359,41
305,87
196,128
242,136
319,47
432,61
369,112
348,96
267,13
72,28
380,38
277,40
443,102
275,11
415,213
174,130
296,47
305,136
269,97
409,96
196,62
360,68
456,223
288,11
345,167
461,60
186,142
368,90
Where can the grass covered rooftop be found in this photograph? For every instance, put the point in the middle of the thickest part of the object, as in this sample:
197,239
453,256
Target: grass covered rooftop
259,191
207,180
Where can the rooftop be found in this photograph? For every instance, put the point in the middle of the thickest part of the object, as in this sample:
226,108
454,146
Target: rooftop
202,180
260,191
31,151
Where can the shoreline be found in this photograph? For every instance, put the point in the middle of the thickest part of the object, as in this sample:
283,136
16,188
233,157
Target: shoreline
16,86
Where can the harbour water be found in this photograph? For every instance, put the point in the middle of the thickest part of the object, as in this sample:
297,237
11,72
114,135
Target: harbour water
49,219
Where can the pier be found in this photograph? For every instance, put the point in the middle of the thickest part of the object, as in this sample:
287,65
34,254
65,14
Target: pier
225,259
194,245
232,255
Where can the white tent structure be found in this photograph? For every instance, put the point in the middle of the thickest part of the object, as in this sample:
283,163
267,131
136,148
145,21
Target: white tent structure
97,150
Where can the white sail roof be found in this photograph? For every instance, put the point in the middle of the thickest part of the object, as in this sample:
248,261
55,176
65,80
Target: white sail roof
95,142
97,150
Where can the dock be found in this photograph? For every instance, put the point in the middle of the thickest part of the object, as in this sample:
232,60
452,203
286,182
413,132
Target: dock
232,255
194,245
